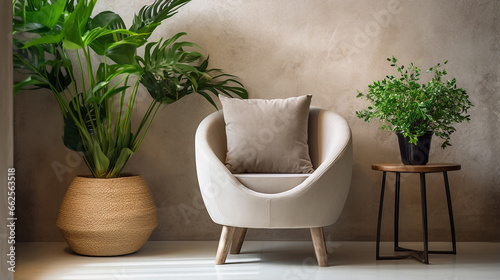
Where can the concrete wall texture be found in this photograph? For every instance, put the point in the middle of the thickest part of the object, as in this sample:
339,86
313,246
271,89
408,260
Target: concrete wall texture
288,48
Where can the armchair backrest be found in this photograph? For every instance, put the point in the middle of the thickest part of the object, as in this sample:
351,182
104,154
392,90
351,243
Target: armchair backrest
328,135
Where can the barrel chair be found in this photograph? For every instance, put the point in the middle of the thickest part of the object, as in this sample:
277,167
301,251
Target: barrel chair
276,201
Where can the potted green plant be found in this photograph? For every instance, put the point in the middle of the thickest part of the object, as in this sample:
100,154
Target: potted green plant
92,66
416,111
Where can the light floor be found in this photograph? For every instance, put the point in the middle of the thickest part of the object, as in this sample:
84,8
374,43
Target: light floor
293,260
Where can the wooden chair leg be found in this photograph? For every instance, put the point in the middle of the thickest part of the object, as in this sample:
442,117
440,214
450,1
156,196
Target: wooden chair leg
319,246
238,239
224,244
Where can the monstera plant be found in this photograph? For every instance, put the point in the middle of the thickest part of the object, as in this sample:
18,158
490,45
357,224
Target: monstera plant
95,67
90,63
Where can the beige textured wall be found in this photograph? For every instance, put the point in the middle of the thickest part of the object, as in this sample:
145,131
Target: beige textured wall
288,48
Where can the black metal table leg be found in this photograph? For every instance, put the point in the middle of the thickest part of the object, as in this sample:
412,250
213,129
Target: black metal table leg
422,256
450,214
396,211
424,217
379,222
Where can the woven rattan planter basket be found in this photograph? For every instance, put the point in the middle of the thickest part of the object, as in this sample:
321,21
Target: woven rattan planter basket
107,217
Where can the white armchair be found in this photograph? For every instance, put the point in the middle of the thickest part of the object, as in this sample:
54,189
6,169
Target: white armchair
241,201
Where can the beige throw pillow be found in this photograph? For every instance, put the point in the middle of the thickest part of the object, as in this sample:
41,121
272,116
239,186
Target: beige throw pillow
267,136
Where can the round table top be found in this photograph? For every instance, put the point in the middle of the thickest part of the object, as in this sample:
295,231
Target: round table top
430,167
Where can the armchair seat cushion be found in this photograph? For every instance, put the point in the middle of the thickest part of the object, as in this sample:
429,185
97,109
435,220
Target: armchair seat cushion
271,183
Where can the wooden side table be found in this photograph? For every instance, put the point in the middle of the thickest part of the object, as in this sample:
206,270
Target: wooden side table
422,256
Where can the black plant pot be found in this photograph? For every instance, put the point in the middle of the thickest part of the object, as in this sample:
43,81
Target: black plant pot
415,154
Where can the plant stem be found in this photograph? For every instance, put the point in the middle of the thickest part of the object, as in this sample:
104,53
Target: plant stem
136,146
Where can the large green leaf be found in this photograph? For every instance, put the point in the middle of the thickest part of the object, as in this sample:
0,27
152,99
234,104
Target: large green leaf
149,17
166,56
48,15
74,26
179,79
99,32
103,45
122,54
108,19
